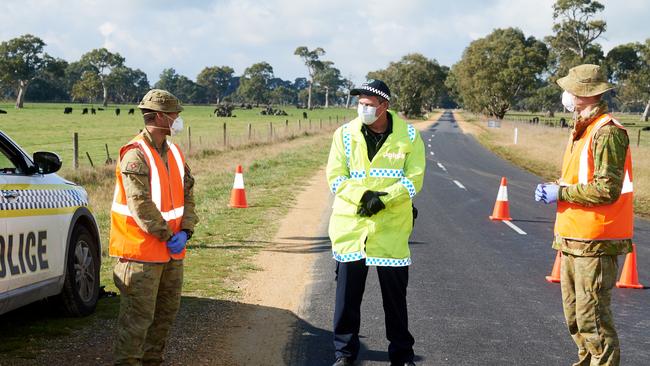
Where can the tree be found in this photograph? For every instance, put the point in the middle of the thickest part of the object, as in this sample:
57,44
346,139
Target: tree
629,65
102,62
283,95
415,83
311,60
495,71
546,97
623,60
21,60
575,34
348,84
126,84
50,84
254,83
574,27
88,87
328,78
215,80
181,86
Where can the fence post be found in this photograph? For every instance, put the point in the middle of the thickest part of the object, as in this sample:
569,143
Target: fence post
189,139
299,125
516,135
286,128
250,131
270,131
75,150
225,135
320,124
638,138
337,119
108,156
90,160
310,124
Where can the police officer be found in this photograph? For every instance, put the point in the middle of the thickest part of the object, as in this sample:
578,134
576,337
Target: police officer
152,218
376,165
595,215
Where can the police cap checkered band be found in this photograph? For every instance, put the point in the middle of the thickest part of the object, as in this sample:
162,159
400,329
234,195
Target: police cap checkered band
373,87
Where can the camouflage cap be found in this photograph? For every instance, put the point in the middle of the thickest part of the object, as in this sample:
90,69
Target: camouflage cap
160,101
585,81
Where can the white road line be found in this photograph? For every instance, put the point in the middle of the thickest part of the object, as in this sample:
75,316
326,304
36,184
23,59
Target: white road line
442,167
459,184
431,153
514,227
432,136
429,145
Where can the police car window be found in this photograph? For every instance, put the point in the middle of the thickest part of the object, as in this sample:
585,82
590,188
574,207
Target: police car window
6,165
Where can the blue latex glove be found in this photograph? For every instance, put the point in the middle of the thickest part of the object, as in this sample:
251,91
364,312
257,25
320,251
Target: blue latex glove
177,242
539,192
550,192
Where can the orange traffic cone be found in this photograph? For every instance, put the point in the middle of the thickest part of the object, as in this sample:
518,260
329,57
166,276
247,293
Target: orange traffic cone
238,194
555,273
629,275
501,210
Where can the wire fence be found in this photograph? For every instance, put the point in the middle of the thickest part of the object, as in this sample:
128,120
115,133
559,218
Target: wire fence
226,138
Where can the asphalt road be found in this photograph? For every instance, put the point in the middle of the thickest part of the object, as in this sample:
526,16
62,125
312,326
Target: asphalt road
477,294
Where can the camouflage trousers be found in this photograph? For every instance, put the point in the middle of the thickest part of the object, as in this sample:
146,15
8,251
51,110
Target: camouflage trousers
150,298
587,284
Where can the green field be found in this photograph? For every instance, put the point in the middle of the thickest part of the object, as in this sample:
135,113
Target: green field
43,126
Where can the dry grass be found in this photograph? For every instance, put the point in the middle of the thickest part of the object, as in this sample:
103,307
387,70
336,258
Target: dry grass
539,150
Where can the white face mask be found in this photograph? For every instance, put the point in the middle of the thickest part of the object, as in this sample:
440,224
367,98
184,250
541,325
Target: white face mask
568,101
367,114
177,126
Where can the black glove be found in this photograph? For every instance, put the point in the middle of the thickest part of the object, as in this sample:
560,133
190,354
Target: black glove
371,203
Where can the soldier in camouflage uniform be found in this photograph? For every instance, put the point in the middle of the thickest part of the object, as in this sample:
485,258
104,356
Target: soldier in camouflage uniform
150,289
599,224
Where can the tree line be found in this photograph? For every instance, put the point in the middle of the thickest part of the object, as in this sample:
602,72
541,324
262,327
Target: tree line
503,71
27,72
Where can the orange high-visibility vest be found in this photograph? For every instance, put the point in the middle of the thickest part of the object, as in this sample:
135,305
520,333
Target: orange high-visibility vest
606,222
127,239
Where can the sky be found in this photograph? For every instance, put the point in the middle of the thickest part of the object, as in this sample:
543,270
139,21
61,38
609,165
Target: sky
358,36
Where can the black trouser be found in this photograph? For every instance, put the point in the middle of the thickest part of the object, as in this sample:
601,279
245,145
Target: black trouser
350,284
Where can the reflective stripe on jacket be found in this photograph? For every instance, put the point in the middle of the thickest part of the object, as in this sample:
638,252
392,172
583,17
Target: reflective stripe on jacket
127,239
397,169
604,222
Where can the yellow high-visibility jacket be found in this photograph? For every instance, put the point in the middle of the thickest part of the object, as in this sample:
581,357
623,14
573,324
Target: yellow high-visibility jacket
397,169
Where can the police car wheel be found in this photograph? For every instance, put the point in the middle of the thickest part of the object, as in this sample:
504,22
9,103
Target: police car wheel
81,286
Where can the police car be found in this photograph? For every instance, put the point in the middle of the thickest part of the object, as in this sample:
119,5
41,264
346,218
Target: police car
49,240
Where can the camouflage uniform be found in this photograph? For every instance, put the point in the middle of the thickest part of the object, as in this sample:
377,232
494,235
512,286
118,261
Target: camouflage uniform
150,292
589,268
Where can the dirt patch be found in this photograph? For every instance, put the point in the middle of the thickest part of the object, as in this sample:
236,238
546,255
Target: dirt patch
274,294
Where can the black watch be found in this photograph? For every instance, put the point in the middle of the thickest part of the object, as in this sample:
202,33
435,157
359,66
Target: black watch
189,233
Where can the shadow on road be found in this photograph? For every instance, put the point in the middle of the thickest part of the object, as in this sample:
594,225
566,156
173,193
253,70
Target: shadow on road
39,335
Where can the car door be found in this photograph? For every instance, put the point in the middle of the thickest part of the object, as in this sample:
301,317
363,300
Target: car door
34,240
4,279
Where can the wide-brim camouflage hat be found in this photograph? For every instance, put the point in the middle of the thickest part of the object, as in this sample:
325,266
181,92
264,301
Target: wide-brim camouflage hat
585,81
160,101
